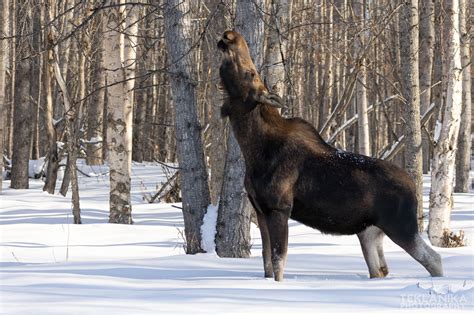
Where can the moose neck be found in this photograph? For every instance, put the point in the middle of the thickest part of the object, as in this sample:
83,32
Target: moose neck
252,129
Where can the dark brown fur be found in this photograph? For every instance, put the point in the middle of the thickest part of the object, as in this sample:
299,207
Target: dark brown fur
292,172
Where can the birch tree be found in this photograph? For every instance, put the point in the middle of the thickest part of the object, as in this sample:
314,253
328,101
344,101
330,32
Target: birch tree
361,85
194,185
442,173
277,43
411,93
233,219
463,155
119,41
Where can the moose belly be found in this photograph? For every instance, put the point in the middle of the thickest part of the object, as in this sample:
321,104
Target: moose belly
331,219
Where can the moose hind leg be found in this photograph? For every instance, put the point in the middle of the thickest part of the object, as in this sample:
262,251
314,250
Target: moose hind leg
371,243
383,263
277,223
421,252
266,245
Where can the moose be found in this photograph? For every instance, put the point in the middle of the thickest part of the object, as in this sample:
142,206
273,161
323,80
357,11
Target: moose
291,172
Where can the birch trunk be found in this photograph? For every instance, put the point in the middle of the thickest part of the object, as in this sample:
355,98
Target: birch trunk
442,173
411,92
277,42
4,31
194,185
463,155
361,90
234,212
426,58
120,69
23,109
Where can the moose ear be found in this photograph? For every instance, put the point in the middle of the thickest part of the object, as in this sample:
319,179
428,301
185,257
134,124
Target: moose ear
271,99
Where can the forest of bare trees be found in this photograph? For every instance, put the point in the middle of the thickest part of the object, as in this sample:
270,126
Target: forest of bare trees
111,81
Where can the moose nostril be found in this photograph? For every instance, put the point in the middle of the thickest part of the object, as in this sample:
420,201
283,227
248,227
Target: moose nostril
225,36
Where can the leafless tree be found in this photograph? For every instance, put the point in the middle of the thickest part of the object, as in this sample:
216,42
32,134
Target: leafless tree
4,30
411,92
120,38
23,112
194,184
233,220
463,155
443,166
426,57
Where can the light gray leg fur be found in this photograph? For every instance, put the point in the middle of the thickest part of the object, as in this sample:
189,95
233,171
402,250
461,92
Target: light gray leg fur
425,255
371,241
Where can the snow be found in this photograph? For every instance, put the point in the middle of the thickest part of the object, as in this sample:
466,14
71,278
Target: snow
36,167
437,131
94,140
50,266
208,229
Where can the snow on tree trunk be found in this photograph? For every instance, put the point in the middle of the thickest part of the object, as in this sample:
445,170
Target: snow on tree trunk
442,173
463,155
119,41
194,185
23,113
233,219
411,92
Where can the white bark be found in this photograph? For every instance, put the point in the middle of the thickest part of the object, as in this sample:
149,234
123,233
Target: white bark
277,42
442,173
119,62
361,90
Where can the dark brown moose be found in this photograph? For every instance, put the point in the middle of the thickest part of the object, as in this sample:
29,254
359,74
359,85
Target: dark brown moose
292,173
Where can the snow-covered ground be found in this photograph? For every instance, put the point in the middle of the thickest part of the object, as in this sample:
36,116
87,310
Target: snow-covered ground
50,266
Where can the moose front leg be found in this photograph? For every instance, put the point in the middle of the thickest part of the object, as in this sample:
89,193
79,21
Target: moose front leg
266,245
277,223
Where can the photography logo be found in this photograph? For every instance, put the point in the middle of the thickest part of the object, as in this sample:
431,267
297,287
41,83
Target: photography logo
434,300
